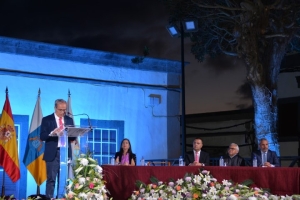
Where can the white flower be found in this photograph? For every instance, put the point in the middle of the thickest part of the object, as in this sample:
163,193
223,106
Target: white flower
232,197
252,198
206,179
226,183
218,186
204,186
142,190
197,179
264,197
84,162
212,191
99,169
179,181
82,195
81,180
273,197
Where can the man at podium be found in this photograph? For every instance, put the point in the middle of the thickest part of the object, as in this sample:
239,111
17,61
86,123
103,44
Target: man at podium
52,131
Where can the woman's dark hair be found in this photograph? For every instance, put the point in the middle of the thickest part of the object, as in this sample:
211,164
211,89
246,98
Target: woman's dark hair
129,150
131,155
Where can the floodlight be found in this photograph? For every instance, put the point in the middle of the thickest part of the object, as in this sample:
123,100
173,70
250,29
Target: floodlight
190,25
173,30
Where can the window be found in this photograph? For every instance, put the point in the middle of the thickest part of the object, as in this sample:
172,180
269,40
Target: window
103,143
104,139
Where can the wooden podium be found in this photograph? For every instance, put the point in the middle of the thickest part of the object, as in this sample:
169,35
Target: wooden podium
66,167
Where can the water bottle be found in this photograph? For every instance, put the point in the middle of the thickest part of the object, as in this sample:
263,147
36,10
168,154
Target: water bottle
142,161
180,161
254,162
221,161
112,160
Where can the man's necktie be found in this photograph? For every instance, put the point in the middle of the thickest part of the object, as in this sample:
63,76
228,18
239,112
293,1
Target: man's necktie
61,127
196,157
265,157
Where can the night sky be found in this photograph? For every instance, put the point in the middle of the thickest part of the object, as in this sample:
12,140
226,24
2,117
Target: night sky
126,27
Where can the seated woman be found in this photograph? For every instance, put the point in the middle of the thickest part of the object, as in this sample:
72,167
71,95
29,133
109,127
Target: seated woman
125,155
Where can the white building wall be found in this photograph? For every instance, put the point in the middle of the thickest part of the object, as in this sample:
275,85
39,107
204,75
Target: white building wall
109,87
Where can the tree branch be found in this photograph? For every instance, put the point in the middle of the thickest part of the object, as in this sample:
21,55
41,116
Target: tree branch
228,52
276,35
297,36
217,6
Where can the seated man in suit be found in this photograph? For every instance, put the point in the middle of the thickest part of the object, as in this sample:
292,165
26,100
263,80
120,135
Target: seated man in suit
266,157
233,158
197,157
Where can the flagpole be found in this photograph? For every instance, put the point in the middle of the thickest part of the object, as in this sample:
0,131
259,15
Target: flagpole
3,187
3,177
37,186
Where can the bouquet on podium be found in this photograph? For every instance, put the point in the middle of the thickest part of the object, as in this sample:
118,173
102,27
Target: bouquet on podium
88,182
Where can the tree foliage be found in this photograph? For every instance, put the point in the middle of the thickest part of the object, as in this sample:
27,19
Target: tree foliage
261,32
240,28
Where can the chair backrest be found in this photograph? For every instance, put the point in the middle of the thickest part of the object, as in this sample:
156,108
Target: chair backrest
158,163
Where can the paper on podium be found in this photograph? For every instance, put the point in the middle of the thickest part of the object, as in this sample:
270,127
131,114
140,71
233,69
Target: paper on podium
75,131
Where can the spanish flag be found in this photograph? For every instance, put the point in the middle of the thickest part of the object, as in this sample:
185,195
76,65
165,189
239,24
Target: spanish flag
9,159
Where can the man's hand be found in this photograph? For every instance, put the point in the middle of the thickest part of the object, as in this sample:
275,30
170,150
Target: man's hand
267,164
58,132
196,163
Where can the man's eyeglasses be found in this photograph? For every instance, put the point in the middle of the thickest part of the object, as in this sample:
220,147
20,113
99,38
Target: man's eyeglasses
232,148
61,110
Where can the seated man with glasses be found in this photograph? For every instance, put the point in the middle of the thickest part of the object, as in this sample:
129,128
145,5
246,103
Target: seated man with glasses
233,158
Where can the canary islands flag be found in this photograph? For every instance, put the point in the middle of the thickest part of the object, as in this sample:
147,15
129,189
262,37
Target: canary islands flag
9,158
33,157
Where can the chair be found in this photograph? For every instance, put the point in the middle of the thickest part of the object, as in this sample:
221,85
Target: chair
159,163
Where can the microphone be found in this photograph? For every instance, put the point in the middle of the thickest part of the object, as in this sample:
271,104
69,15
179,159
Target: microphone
89,121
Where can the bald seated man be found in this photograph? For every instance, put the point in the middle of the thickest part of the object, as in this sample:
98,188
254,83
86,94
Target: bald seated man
197,157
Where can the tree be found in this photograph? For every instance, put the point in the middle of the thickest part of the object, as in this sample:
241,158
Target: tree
261,32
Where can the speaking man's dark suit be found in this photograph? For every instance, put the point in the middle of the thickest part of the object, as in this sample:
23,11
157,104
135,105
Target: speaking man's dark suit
51,153
190,158
271,158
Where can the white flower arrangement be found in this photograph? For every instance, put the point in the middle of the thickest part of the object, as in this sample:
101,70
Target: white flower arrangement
202,186
88,182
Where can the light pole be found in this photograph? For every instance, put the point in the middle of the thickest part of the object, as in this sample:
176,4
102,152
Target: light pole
189,25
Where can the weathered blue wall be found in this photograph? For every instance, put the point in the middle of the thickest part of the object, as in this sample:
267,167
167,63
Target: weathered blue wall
104,85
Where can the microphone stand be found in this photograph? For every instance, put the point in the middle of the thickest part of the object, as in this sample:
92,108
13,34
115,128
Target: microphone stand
90,127
88,118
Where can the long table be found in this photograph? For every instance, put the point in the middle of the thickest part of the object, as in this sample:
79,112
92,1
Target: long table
121,179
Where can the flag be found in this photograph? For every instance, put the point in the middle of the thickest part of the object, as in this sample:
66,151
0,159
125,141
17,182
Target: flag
75,144
33,157
9,158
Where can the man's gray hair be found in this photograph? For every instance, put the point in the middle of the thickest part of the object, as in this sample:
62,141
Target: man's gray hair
57,101
237,146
